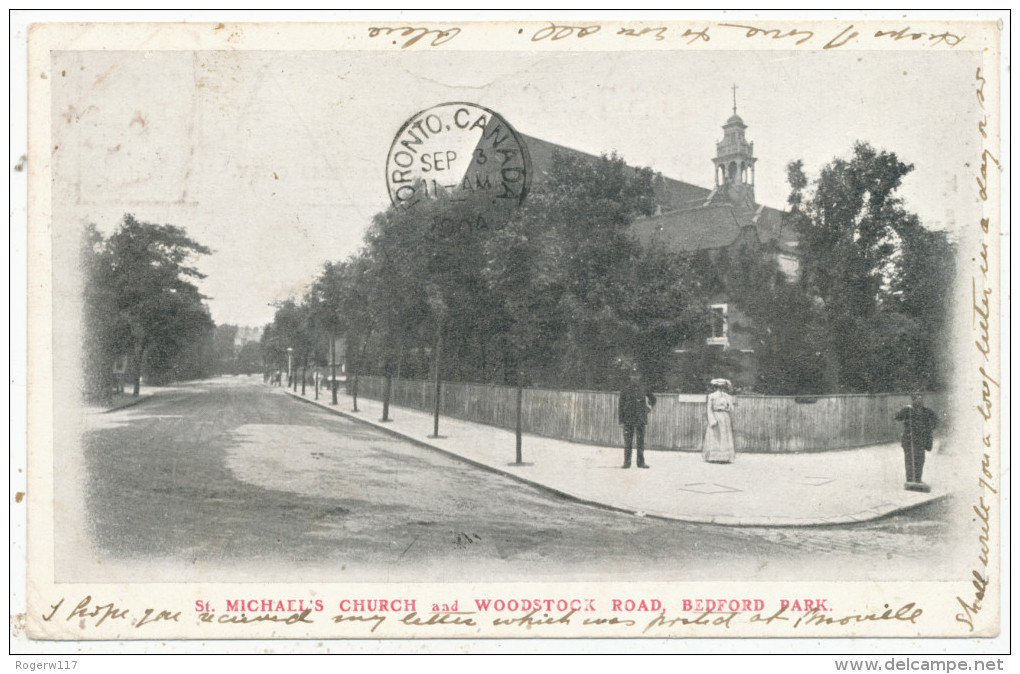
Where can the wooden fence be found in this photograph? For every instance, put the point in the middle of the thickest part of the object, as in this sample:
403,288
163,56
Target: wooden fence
765,424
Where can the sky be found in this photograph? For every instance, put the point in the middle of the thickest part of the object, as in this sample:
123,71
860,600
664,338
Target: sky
276,160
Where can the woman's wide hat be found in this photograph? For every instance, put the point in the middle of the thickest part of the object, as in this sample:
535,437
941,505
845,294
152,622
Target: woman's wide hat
721,382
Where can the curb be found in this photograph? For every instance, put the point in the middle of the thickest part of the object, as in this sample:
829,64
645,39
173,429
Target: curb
484,466
718,521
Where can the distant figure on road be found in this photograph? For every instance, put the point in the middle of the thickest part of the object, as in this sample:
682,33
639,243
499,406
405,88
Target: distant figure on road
635,404
718,446
918,424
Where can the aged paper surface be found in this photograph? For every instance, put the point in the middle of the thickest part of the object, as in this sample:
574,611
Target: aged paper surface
274,145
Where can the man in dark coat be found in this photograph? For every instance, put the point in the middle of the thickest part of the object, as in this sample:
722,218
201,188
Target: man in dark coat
635,403
918,424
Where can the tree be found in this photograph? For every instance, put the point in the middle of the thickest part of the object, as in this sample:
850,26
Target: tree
555,295
140,300
274,352
780,319
862,254
396,276
249,358
921,291
523,274
224,338
662,308
183,345
593,203
357,318
327,298
105,337
287,341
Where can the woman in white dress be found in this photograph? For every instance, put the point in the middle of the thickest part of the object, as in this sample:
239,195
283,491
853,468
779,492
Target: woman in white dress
718,447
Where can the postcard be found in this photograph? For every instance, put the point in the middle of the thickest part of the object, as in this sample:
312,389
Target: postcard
515,329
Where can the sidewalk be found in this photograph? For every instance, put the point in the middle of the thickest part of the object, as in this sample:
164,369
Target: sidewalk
821,488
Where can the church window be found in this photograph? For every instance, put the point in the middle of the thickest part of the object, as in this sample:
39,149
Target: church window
720,326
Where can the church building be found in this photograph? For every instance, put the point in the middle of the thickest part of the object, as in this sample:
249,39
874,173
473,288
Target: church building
711,222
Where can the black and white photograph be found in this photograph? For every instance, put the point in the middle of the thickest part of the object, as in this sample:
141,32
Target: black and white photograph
454,330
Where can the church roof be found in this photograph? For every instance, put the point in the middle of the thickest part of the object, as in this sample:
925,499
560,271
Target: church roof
693,229
669,193
691,217
735,119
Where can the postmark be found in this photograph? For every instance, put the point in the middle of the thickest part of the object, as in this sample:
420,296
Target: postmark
464,153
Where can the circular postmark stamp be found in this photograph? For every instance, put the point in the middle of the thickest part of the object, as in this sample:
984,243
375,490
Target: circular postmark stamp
463,153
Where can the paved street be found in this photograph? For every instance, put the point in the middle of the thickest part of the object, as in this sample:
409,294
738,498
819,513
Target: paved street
227,474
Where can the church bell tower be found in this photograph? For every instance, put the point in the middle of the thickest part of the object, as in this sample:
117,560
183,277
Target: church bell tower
734,161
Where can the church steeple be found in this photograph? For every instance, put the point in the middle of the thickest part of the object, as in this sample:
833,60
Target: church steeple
734,159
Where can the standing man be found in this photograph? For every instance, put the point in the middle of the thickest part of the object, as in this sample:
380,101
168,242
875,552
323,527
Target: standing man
918,424
635,404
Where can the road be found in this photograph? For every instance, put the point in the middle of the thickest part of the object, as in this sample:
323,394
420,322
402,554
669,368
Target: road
230,474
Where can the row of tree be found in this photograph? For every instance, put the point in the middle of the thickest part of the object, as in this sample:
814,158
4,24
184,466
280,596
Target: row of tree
562,294
552,297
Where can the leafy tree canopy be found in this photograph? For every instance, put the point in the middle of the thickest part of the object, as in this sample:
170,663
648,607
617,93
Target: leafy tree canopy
881,281
141,301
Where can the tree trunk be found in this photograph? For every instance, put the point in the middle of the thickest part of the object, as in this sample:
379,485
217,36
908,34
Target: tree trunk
517,426
304,373
355,368
386,395
438,381
333,382
137,365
